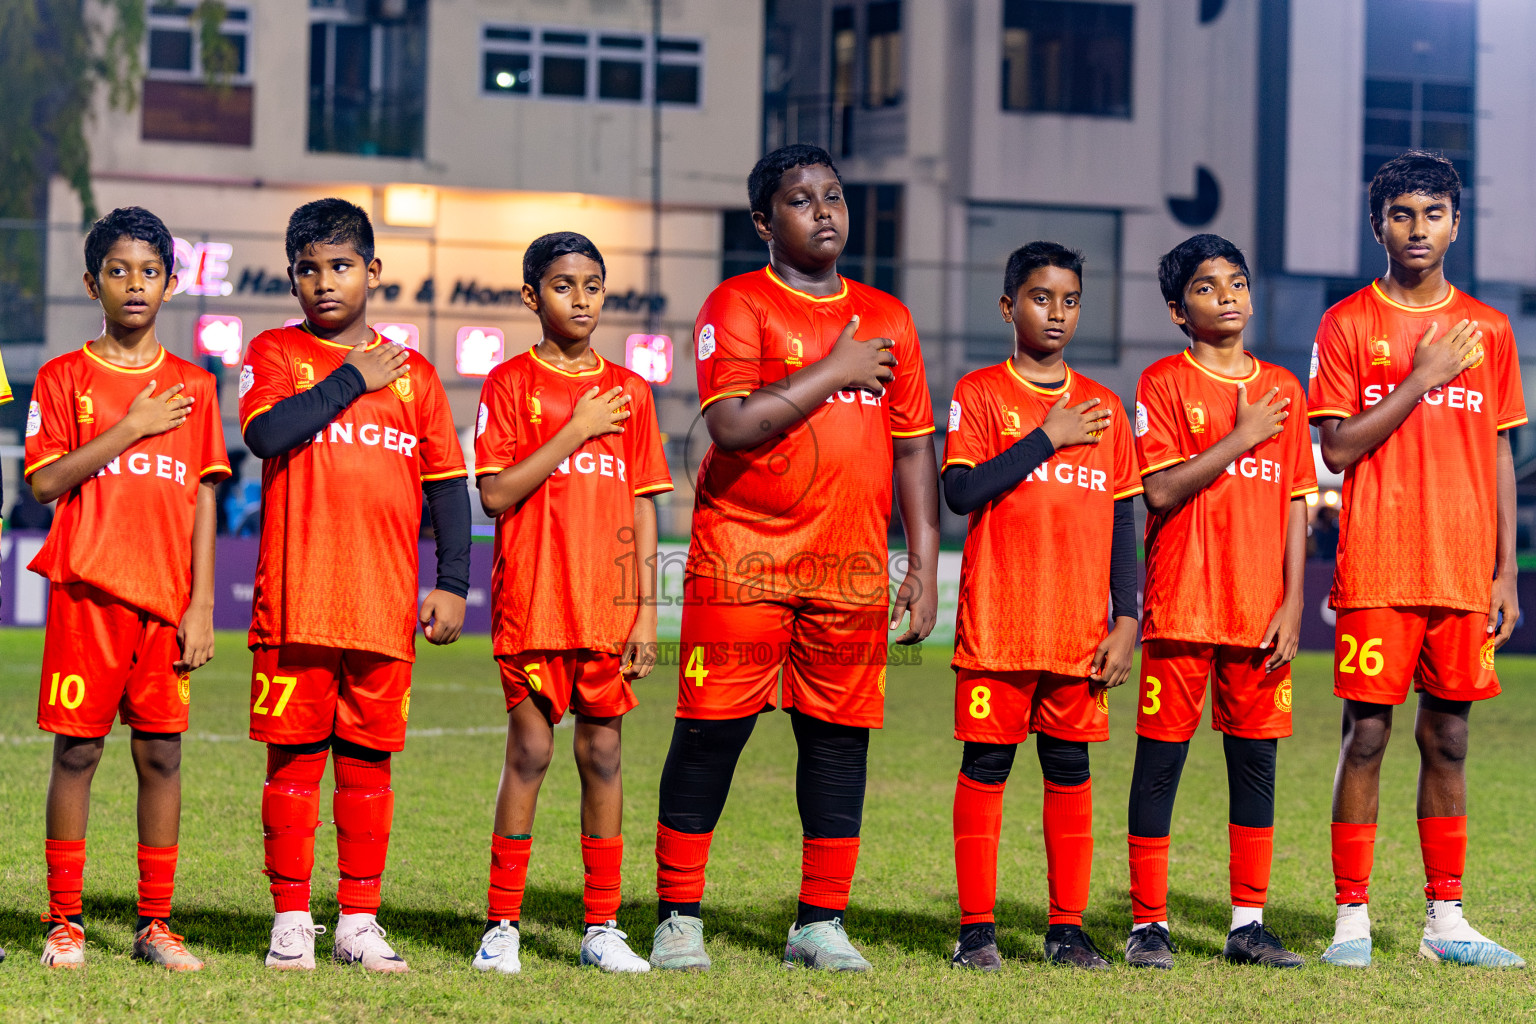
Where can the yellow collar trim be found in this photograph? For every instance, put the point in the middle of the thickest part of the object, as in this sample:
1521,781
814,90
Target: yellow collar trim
1036,388
570,373
86,348
1449,296
1221,376
776,279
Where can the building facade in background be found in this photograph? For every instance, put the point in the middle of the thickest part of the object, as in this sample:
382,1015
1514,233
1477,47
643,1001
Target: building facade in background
963,129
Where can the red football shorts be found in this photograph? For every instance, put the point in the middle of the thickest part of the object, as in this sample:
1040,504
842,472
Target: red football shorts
833,655
587,682
1247,701
303,693
1005,707
1380,653
104,659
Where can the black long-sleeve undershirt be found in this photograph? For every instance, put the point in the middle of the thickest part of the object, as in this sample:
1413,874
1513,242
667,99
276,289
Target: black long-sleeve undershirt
968,488
300,417
448,504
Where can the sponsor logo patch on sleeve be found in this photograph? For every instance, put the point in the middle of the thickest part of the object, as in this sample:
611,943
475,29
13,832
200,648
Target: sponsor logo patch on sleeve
1142,426
954,415
247,379
34,419
482,419
1313,372
706,341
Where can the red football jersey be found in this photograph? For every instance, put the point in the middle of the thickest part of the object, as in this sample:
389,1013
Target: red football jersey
1216,562
128,529
1419,521
1055,528
566,574
805,512
341,514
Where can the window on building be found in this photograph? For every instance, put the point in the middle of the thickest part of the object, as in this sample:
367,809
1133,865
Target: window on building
874,235
574,64
178,102
367,66
1409,113
741,251
1065,57
882,55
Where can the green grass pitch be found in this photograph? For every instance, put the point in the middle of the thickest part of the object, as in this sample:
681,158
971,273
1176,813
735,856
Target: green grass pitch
903,913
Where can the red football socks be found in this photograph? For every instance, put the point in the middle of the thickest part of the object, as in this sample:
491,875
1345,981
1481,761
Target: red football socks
1443,842
364,808
290,812
978,824
1068,817
680,861
1149,878
826,871
66,875
509,876
157,880
1354,849
1252,853
600,862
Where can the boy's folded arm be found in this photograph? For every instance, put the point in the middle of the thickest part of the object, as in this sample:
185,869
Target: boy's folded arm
448,503
300,417
967,488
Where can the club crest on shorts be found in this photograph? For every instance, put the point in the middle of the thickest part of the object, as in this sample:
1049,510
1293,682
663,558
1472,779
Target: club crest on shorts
1101,699
1283,695
1485,655
402,386
405,707
184,687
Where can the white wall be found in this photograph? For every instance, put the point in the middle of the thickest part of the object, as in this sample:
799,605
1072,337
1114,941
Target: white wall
1506,140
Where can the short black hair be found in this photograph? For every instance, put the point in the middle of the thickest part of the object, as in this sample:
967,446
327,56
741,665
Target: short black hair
1179,264
329,222
545,249
1027,259
128,222
763,182
1415,172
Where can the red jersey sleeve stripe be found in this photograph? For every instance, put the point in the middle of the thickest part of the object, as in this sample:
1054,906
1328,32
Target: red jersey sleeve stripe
1130,492
447,475
253,415
711,400
1522,421
1304,491
1163,465
486,470
913,433
957,462
214,467
40,463
1322,412
640,492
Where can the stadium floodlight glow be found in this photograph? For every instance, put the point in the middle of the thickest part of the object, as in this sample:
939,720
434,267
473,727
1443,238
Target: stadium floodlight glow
401,334
219,336
649,355
1312,500
1331,498
478,350
410,206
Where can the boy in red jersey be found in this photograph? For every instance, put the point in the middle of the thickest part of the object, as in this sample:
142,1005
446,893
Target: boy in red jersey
353,430
121,431
787,568
567,457
1226,479
1414,388
1041,489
